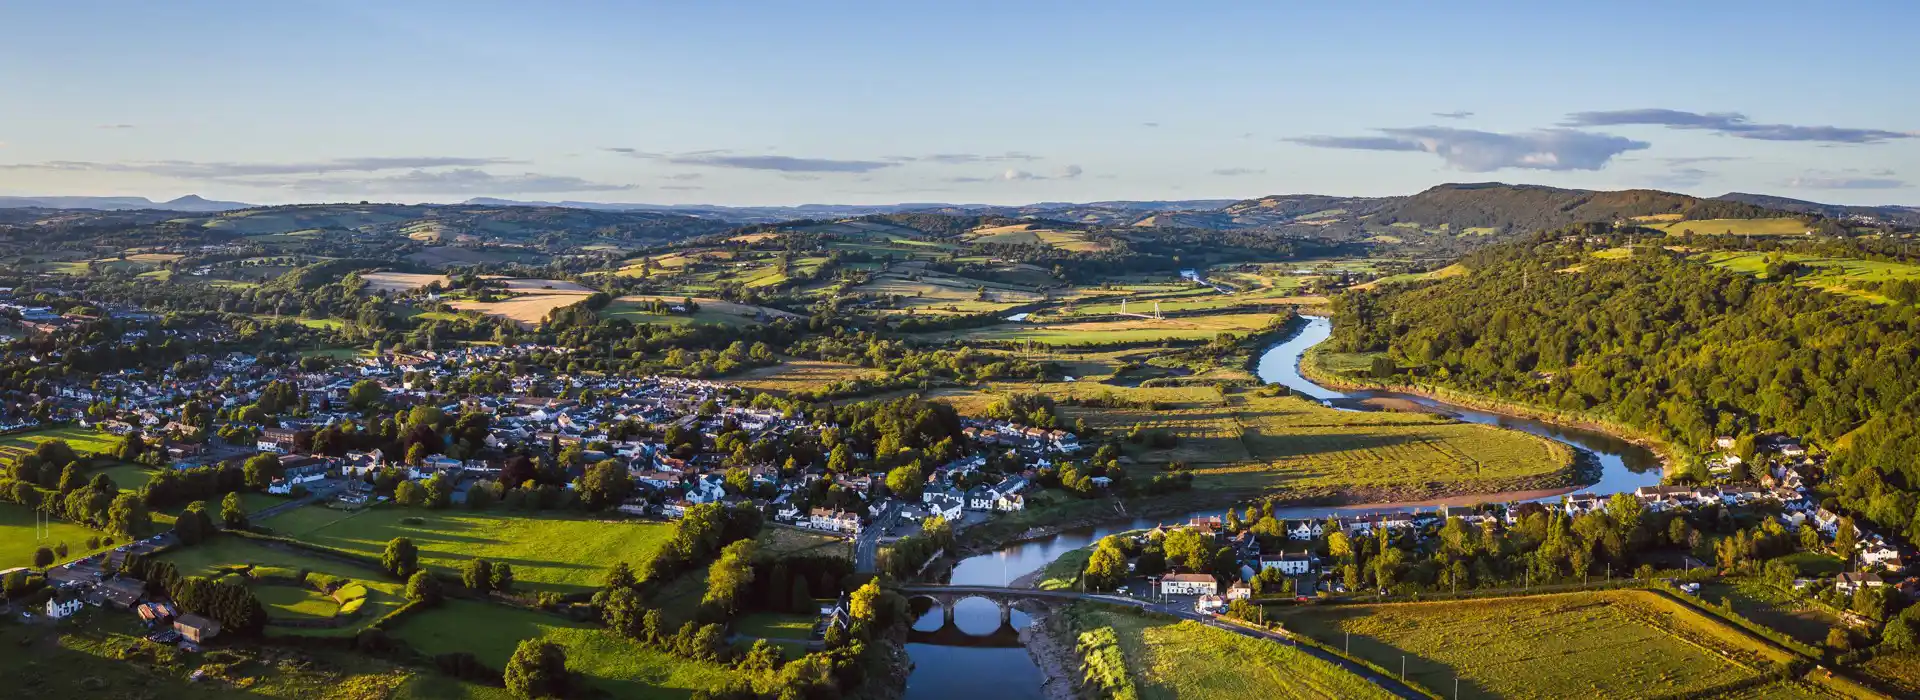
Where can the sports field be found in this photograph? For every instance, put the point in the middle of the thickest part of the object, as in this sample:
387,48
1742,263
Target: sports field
617,666
82,440
17,541
1165,659
1613,644
557,553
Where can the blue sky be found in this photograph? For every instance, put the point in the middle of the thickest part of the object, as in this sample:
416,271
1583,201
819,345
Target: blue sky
785,103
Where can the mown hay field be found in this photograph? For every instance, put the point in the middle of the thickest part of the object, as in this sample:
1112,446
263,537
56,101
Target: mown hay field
1165,659
559,553
1610,644
1247,442
1127,331
801,375
1783,226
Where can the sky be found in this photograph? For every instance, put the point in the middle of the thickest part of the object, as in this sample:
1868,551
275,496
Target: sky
779,103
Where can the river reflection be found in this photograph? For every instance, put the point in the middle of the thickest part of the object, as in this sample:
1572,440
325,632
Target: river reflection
970,673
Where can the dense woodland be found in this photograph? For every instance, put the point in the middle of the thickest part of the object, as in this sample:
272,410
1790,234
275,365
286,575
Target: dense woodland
1676,348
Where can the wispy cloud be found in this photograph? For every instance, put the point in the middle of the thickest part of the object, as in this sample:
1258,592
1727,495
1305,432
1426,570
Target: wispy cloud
1879,180
1733,124
1151,125
683,176
114,126
1692,160
784,164
965,158
461,181
1484,151
216,170
1681,177
1453,115
1069,172
1236,172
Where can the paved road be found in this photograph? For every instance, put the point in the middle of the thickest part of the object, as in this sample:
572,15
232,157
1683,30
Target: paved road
866,548
1182,610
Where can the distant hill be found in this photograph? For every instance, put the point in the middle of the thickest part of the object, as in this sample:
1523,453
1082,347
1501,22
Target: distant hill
190,203
1903,216
1118,212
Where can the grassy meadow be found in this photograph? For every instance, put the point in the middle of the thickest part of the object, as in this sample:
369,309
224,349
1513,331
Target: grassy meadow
1166,659
549,552
1783,226
1614,644
224,554
17,542
1142,330
82,440
1243,441
617,666
1829,274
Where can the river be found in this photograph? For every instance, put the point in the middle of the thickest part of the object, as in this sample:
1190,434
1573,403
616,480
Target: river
969,673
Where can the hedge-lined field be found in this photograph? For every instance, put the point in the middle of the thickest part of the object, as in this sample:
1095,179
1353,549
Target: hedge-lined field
1611,644
1185,659
563,553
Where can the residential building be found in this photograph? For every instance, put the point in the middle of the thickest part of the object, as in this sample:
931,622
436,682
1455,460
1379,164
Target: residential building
1189,584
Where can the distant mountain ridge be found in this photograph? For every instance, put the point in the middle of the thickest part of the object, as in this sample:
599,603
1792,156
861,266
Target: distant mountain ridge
192,203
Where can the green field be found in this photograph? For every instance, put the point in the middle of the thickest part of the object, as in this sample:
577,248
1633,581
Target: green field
295,602
786,542
1616,644
17,542
618,666
1737,227
1254,443
560,553
1829,274
231,553
102,656
83,440
1768,605
1185,659
1900,670
1128,331
775,626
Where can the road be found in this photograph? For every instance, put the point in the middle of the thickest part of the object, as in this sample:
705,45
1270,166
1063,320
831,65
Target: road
866,547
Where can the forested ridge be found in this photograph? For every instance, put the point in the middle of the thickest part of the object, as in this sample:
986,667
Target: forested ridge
1679,349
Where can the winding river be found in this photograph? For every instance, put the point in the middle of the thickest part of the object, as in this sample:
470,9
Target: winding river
970,673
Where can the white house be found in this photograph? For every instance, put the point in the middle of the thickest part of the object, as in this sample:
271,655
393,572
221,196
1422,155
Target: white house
1876,554
947,506
59,609
834,521
1306,530
1850,582
1291,563
1189,584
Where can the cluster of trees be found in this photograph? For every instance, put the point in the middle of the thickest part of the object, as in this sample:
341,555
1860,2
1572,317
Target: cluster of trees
908,554
905,362
1678,349
96,502
698,534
